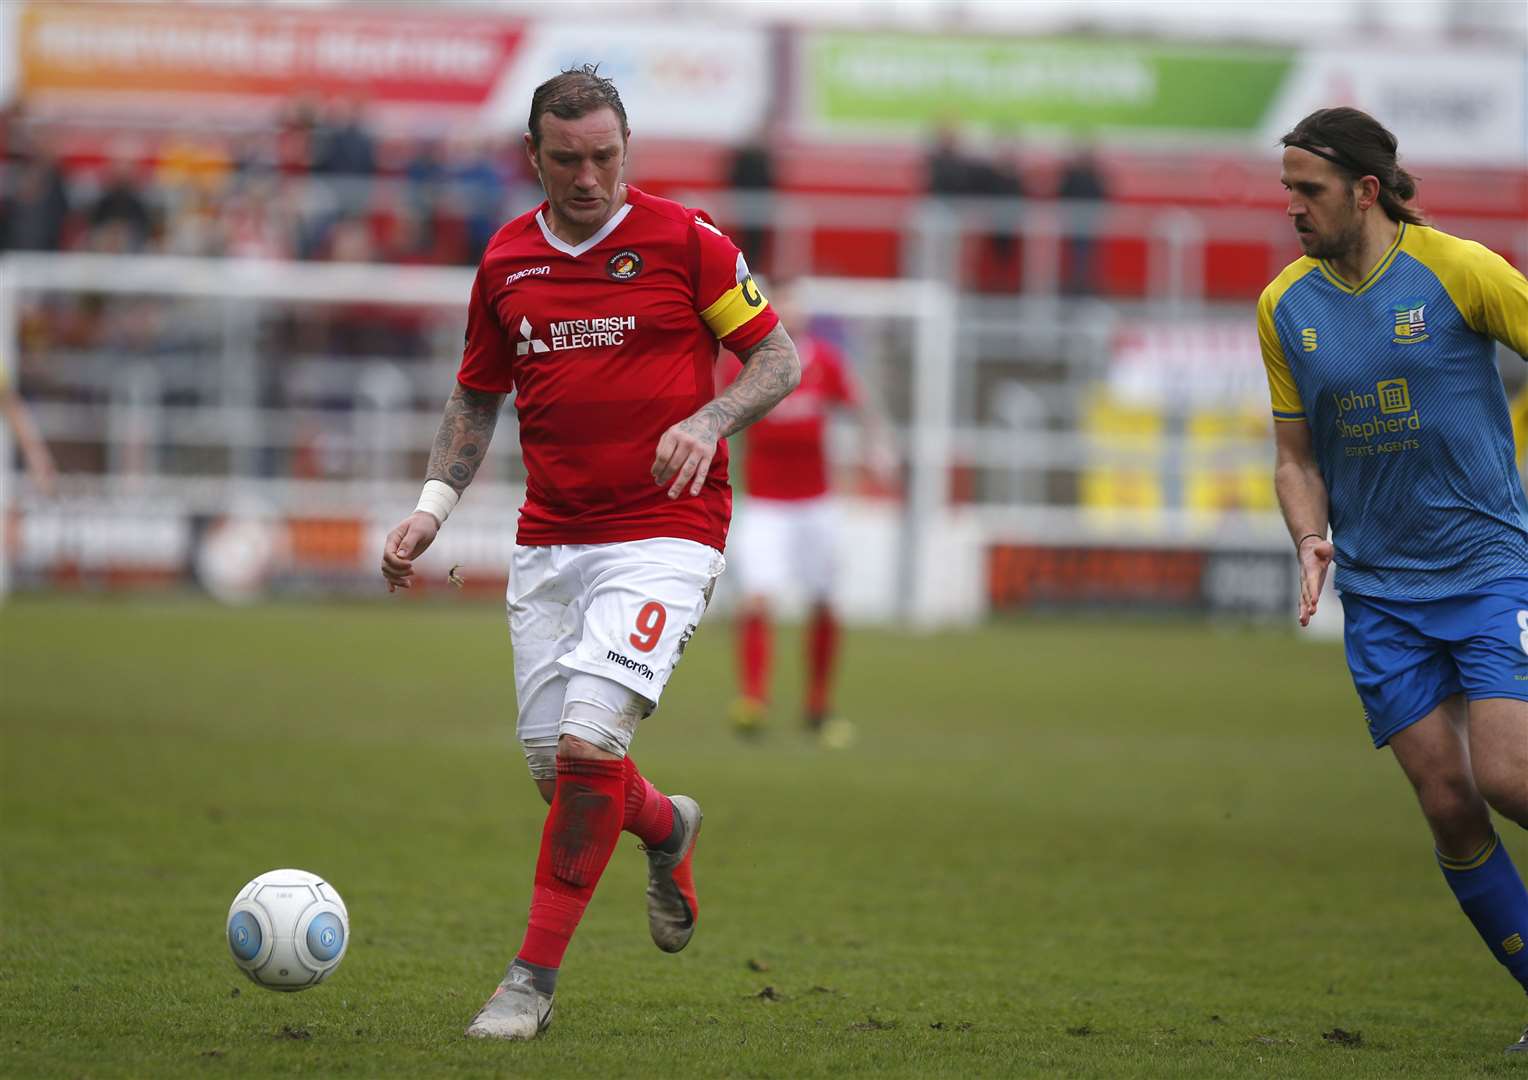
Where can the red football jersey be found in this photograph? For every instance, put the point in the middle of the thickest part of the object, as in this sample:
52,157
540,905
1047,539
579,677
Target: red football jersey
787,449
606,344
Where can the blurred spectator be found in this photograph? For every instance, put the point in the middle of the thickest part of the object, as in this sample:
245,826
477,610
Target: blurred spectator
189,162
410,240
120,220
948,168
479,185
424,173
35,208
350,240
342,145
1083,187
295,138
953,173
344,154
254,157
191,176
752,172
256,224
194,226
417,240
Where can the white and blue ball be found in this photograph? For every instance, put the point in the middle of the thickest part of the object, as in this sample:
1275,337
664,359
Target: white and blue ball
288,930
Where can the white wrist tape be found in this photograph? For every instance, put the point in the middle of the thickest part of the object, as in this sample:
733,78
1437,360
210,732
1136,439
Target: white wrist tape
437,499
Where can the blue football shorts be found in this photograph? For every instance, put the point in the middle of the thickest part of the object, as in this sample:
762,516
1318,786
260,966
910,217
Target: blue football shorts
1406,656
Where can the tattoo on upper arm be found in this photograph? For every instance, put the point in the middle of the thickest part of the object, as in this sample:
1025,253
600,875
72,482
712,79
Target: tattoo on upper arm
464,433
771,370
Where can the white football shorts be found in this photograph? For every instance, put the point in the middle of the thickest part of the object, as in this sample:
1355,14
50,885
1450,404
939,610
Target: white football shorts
623,612
786,545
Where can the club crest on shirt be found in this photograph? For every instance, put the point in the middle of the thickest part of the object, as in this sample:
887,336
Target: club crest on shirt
1410,322
624,265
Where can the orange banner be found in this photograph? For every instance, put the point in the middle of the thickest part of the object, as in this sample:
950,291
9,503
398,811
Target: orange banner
105,53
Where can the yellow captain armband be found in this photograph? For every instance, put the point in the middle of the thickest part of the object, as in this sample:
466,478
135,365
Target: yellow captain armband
735,307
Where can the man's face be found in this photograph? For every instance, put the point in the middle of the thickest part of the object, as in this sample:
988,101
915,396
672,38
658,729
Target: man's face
1322,205
579,162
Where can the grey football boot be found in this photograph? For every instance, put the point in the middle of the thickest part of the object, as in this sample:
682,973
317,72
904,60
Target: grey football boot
517,1010
1521,1046
671,906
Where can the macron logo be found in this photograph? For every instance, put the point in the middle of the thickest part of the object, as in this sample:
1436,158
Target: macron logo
529,271
529,344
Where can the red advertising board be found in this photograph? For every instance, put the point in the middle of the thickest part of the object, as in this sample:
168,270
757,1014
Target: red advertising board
127,55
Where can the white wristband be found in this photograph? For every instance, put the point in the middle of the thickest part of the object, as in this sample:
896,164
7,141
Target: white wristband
437,499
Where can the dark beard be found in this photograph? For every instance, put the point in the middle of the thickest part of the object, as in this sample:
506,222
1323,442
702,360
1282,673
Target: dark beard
1334,248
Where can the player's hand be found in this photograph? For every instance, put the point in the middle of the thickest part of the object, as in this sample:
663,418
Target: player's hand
684,456
405,544
1315,556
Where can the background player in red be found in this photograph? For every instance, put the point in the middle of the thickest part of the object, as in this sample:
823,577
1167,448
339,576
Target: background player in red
786,533
602,311
34,451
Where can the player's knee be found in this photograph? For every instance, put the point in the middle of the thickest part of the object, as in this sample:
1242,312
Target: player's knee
1451,803
599,717
572,748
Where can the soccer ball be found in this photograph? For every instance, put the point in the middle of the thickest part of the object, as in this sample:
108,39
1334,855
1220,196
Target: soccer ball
288,930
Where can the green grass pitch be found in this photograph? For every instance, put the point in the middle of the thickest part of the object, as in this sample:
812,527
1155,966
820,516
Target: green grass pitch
1062,847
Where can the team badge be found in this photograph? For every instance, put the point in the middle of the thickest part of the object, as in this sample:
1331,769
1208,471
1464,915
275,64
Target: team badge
1410,322
624,265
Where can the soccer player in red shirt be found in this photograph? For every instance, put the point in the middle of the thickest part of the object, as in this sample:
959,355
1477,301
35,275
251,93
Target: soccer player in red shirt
786,535
34,451
602,311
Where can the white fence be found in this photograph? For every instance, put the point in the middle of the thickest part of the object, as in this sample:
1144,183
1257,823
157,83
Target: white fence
228,440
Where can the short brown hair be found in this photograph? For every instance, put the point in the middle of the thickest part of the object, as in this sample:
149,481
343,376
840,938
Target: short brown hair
1360,146
576,92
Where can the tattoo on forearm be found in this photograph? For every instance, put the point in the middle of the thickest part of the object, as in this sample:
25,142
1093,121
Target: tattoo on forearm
771,370
464,433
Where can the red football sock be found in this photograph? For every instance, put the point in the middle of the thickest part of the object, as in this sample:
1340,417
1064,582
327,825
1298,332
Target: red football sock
580,833
649,814
753,653
821,651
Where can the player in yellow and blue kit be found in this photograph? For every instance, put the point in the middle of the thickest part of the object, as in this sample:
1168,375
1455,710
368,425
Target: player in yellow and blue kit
1393,429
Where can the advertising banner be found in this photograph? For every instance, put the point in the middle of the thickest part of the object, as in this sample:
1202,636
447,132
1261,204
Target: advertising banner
151,56
677,80
1455,106
1188,364
906,83
409,65
1259,584
1451,104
